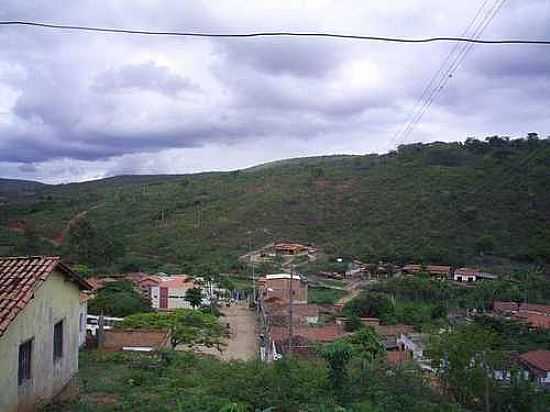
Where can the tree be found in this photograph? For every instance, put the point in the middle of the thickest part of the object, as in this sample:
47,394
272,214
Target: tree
86,244
465,359
370,304
187,327
366,345
194,297
118,299
337,354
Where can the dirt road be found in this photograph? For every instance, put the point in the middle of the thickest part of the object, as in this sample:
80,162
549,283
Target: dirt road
243,343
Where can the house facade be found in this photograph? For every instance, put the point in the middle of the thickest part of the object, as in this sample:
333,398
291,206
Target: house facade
469,275
40,323
169,292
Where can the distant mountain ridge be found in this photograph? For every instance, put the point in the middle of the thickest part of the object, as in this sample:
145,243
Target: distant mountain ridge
452,203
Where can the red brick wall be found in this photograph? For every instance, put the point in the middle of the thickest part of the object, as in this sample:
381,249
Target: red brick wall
279,288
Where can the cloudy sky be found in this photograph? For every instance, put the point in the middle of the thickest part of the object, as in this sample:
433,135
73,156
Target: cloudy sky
77,106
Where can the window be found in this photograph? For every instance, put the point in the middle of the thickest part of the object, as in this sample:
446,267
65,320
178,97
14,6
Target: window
25,357
58,340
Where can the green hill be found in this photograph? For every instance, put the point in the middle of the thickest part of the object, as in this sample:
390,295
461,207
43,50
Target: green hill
441,202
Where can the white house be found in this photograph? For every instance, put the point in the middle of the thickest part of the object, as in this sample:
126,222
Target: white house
40,324
468,275
169,292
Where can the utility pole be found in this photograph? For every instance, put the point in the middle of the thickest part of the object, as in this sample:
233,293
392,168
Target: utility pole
253,268
290,312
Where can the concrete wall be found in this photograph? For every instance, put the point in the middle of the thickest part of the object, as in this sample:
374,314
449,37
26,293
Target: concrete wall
57,299
82,323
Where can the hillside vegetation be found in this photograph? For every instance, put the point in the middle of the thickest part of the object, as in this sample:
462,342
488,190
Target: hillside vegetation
454,203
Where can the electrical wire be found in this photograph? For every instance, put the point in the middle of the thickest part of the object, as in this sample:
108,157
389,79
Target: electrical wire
444,76
277,34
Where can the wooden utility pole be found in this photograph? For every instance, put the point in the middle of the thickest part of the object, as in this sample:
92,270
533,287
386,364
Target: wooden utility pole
290,312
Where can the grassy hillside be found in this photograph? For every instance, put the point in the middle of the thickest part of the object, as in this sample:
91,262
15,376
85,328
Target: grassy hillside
448,203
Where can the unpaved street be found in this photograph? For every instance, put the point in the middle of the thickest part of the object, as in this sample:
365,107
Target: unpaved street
243,343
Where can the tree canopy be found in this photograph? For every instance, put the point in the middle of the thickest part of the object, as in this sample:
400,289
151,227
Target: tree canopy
187,327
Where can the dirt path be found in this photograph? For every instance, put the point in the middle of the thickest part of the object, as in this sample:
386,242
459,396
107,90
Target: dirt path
353,289
243,343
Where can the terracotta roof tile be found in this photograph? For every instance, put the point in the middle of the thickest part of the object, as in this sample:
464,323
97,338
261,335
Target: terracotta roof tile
539,359
500,306
20,277
326,333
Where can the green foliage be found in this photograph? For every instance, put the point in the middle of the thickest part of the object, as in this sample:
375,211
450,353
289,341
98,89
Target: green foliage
85,244
337,354
187,327
118,299
194,297
439,202
320,295
466,359
369,304
353,322
190,383
366,345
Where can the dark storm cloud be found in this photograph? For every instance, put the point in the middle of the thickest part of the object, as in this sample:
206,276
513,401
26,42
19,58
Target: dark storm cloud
300,56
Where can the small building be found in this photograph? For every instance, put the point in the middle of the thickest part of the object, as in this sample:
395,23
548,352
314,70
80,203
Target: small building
289,249
276,288
135,340
145,285
537,363
469,275
305,339
169,292
40,329
505,308
440,272
535,315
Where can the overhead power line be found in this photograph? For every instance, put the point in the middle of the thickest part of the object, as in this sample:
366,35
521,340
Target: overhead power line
275,34
447,69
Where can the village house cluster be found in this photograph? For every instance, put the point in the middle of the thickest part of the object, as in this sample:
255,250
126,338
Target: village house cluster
282,299
44,318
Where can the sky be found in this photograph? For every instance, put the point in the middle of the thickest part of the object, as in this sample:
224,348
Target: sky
76,106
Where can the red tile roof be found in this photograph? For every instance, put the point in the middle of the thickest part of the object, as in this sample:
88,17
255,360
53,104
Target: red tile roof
530,307
20,277
432,269
176,282
539,359
536,320
327,333
500,306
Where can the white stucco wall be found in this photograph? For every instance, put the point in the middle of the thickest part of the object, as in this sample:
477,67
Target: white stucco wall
57,299
175,298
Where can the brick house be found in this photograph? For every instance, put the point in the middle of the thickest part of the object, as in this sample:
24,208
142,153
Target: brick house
276,288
